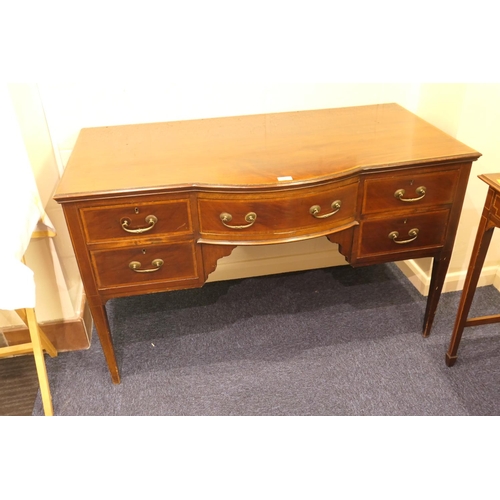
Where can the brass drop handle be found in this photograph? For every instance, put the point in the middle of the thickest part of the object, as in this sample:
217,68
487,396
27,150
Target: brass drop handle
316,209
136,266
250,217
419,191
413,233
150,219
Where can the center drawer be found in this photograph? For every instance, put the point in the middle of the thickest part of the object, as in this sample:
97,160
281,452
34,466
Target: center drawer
276,215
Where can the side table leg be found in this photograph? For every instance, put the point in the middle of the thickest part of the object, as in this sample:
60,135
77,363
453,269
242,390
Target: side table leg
481,245
102,327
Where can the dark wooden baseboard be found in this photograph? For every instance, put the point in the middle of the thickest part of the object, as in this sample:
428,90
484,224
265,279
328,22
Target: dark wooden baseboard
66,335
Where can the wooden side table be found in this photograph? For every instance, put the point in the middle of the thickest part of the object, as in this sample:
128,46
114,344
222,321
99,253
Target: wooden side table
489,220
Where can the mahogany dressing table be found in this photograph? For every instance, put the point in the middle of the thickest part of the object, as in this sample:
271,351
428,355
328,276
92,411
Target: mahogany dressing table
152,207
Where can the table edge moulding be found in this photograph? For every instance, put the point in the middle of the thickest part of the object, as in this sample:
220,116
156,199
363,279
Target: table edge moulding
152,207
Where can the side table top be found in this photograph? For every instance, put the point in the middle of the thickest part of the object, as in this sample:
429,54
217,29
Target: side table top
493,180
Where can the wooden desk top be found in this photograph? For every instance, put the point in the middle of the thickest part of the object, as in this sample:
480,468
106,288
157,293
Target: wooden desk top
252,152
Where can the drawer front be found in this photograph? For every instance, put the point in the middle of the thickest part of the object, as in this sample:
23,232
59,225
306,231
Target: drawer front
149,264
409,191
395,235
278,215
132,220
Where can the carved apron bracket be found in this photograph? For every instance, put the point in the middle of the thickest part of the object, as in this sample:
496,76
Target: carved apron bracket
211,254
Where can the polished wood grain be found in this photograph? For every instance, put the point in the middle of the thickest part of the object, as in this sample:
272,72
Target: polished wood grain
252,152
219,183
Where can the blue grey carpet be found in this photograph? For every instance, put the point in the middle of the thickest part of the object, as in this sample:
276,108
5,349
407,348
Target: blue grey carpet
338,341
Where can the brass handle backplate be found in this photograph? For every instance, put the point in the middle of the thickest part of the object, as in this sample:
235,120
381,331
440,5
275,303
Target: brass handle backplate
150,219
316,209
136,266
413,233
250,217
419,191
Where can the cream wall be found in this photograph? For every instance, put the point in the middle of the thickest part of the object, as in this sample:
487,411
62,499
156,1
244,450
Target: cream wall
51,116
58,286
471,113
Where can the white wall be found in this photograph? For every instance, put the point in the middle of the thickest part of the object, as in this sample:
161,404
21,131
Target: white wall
51,116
